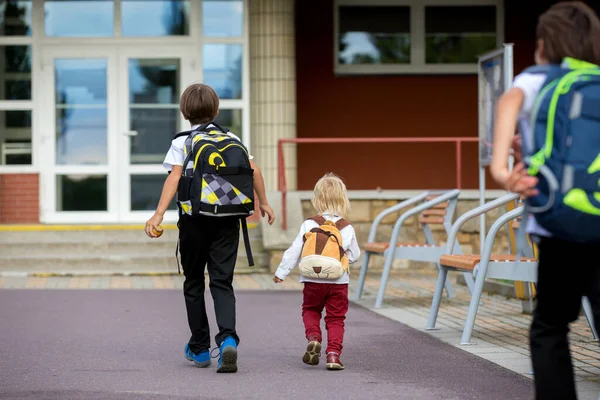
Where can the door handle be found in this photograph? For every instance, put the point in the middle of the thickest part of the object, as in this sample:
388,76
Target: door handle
130,133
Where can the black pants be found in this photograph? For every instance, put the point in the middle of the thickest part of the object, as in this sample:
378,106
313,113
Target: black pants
212,242
567,271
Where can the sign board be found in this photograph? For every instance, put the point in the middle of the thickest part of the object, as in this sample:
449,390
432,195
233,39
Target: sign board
495,75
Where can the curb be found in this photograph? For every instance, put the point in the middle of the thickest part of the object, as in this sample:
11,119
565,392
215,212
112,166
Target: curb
20,274
96,227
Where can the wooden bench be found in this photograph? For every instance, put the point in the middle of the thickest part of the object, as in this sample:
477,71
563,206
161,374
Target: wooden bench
432,208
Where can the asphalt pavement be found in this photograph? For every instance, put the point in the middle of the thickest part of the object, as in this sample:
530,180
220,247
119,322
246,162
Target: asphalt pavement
127,344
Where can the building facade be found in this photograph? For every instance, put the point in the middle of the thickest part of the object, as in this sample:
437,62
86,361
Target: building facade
89,92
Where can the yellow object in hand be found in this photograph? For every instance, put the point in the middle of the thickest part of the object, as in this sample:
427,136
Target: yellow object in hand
158,232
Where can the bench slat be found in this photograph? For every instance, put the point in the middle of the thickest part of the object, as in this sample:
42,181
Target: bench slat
434,211
381,247
469,261
431,220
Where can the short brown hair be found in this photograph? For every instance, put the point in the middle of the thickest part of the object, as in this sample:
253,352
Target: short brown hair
199,103
570,29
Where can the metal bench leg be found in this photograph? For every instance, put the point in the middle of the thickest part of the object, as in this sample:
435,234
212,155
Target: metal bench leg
437,298
362,277
448,285
469,281
473,306
589,315
389,259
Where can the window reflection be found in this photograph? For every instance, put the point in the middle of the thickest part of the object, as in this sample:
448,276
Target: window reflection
223,18
459,34
84,18
223,69
374,35
155,17
81,111
81,193
145,192
154,81
15,137
231,119
15,72
15,17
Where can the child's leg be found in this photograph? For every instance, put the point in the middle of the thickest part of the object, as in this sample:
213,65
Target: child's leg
336,306
313,301
193,261
559,292
223,249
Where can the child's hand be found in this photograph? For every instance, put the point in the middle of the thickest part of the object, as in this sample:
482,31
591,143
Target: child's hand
277,280
152,224
266,209
520,182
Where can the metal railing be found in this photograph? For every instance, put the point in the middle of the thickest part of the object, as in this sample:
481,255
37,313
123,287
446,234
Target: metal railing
282,184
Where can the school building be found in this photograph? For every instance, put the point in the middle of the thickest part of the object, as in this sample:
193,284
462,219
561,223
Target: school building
89,92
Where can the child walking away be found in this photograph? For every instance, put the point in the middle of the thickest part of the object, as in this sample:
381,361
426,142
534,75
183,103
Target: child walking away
557,107
215,179
323,250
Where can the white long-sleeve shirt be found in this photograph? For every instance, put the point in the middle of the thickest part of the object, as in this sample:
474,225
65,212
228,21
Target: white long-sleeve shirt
291,257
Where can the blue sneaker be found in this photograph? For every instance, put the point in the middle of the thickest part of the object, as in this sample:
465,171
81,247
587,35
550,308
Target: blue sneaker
202,360
228,355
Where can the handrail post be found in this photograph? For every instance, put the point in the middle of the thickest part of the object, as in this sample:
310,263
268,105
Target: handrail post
282,185
458,165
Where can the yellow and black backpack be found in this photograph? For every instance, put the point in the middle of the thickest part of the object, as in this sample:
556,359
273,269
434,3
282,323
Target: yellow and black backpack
323,256
217,179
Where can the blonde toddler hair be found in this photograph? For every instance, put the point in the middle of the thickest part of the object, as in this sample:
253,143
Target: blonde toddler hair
330,195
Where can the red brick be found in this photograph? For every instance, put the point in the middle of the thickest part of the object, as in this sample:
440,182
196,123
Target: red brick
19,198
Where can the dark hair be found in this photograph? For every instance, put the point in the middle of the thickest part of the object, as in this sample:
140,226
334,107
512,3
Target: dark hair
199,103
570,29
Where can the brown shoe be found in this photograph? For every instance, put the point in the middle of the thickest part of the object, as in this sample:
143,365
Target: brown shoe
333,362
312,354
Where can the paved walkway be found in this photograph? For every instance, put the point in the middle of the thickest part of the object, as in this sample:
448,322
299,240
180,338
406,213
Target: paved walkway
500,335
128,344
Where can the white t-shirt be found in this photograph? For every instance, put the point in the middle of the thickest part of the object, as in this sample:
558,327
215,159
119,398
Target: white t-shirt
175,154
291,257
530,84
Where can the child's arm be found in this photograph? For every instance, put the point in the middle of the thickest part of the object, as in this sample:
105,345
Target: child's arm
516,181
169,190
509,106
259,188
291,257
353,250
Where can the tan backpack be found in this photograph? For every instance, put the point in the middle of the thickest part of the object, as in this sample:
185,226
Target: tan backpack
323,256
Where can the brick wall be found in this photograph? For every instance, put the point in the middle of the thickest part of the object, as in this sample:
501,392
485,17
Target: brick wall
19,198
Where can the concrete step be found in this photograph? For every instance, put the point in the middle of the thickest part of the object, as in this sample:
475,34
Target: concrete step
110,251
109,264
57,248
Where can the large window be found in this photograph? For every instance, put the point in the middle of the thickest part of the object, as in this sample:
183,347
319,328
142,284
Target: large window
415,36
15,84
223,60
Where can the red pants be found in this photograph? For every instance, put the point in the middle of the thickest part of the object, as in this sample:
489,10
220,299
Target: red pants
332,297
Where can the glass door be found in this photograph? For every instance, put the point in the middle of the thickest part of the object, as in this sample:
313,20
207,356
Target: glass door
149,88
78,179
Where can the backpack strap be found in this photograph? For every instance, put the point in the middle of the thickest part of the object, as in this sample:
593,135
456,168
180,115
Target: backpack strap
180,134
538,69
342,223
318,219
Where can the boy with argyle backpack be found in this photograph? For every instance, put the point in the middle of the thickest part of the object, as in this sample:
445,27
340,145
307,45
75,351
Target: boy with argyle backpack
215,179
556,105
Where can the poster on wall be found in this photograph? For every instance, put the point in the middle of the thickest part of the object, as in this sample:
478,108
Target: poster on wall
495,75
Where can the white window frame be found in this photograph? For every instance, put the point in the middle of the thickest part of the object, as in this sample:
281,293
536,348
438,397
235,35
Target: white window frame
24,105
417,35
